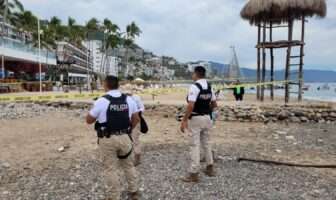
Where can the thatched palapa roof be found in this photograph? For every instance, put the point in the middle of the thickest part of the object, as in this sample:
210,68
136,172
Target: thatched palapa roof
256,11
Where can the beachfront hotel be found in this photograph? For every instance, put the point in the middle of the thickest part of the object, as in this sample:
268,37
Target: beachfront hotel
19,67
19,56
74,62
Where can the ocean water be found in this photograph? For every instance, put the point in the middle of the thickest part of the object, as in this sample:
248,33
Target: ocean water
317,91
321,91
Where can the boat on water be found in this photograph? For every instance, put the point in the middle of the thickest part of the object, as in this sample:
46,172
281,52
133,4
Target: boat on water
305,87
278,87
326,87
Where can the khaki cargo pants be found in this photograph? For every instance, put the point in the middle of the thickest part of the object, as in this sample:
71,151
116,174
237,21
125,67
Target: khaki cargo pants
109,149
200,127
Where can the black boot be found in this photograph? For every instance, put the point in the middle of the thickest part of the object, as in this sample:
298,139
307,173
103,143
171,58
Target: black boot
210,171
134,196
191,178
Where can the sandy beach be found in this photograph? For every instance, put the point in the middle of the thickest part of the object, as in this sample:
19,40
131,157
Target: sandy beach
50,153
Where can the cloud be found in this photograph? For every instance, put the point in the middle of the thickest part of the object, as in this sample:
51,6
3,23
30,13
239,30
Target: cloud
194,29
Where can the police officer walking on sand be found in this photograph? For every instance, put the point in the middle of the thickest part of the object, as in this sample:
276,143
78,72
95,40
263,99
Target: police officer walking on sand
116,115
197,122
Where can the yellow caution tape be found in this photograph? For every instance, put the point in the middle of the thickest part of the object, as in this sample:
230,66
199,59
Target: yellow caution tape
247,85
150,91
160,91
53,97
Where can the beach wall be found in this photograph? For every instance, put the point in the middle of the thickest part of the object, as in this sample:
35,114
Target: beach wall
305,113
274,113
256,113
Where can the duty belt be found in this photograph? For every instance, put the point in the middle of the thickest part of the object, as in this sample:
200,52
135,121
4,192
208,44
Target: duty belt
106,134
197,114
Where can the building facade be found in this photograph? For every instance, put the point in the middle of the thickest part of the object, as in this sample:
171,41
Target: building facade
96,48
19,58
76,61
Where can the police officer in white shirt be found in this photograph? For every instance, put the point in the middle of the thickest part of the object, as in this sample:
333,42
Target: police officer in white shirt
197,122
116,115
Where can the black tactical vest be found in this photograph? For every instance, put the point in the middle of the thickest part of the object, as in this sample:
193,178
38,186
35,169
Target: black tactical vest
203,101
117,114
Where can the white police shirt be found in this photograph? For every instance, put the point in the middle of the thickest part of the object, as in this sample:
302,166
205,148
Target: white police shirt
194,91
101,105
139,103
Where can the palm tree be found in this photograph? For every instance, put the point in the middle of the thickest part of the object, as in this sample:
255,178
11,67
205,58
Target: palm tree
11,9
76,32
71,22
132,31
109,27
55,21
53,26
71,29
111,39
28,21
92,25
60,32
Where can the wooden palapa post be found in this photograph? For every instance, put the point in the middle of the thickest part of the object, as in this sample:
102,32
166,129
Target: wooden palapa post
272,61
263,62
289,50
301,58
258,63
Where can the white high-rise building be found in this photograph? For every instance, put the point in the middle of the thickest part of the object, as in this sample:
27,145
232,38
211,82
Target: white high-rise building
95,47
103,63
111,65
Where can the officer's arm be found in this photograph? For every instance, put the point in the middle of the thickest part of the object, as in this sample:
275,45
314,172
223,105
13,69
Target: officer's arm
213,105
90,119
94,113
192,96
190,108
135,119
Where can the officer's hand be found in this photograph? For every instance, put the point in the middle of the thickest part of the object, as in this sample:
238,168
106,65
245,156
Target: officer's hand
184,126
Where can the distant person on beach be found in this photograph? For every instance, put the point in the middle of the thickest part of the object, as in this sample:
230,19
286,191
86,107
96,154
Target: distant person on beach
238,91
197,124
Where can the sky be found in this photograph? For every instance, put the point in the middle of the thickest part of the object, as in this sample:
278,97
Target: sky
192,30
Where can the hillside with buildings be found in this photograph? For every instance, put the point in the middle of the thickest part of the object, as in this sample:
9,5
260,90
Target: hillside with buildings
78,55
68,53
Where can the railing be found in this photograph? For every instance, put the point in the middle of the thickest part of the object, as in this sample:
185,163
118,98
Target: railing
27,48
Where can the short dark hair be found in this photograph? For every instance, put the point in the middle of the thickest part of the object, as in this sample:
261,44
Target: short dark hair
112,82
200,71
